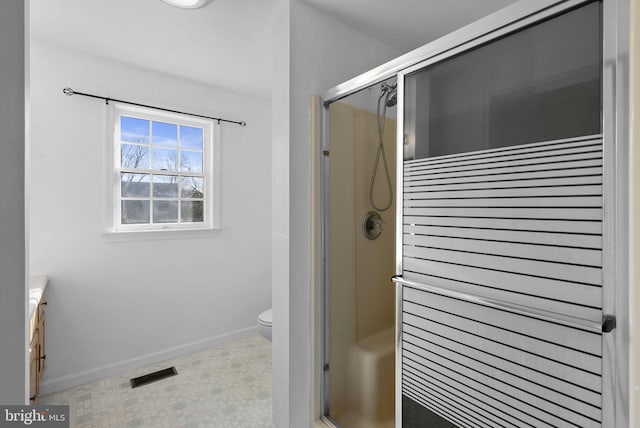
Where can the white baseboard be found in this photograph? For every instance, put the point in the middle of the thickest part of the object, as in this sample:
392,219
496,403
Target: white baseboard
69,381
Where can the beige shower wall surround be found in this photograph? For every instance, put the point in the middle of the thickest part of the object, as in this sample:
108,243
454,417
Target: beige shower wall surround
362,296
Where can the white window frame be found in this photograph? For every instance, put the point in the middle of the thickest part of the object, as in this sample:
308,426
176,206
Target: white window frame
210,167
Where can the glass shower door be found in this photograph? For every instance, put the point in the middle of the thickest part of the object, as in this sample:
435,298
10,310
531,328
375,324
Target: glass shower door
501,281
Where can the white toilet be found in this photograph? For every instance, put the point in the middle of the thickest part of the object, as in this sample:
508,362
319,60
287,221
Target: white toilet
264,324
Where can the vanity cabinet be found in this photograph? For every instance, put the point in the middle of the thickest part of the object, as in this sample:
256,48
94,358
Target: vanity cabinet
37,351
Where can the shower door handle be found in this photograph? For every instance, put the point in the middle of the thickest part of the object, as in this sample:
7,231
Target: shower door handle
540,314
608,323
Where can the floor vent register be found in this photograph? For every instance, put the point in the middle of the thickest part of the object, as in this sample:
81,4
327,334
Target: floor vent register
153,377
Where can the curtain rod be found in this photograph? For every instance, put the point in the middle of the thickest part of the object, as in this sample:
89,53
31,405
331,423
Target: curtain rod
69,91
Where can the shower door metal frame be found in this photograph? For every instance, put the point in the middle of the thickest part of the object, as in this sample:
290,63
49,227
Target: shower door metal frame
615,131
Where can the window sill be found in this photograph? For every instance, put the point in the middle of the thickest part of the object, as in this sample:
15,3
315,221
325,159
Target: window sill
156,235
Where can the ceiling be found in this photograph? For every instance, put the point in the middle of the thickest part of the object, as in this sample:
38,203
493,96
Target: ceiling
225,44
228,43
408,24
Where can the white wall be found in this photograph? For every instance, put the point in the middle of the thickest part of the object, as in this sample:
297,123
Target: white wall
322,53
13,115
634,216
280,214
119,304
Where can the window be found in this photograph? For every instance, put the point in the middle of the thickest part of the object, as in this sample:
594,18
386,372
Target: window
162,171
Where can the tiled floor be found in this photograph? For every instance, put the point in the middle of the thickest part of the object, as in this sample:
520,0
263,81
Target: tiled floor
227,386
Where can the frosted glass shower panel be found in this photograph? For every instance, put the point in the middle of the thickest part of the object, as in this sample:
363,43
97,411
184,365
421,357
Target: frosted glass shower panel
542,83
502,232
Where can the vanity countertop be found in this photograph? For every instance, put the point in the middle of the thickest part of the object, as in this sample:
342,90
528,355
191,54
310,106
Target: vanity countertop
37,284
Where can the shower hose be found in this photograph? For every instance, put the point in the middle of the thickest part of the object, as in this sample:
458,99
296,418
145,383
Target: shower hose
386,97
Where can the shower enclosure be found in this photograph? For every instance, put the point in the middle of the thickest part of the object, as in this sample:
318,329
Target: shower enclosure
508,249
361,191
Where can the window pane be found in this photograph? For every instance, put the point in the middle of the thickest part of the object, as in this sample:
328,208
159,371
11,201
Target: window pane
164,134
134,156
165,186
191,161
192,211
135,212
191,138
165,159
192,187
135,185
134,130
539,84
165,211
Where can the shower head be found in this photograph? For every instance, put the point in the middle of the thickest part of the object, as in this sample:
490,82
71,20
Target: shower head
389,92
392,100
